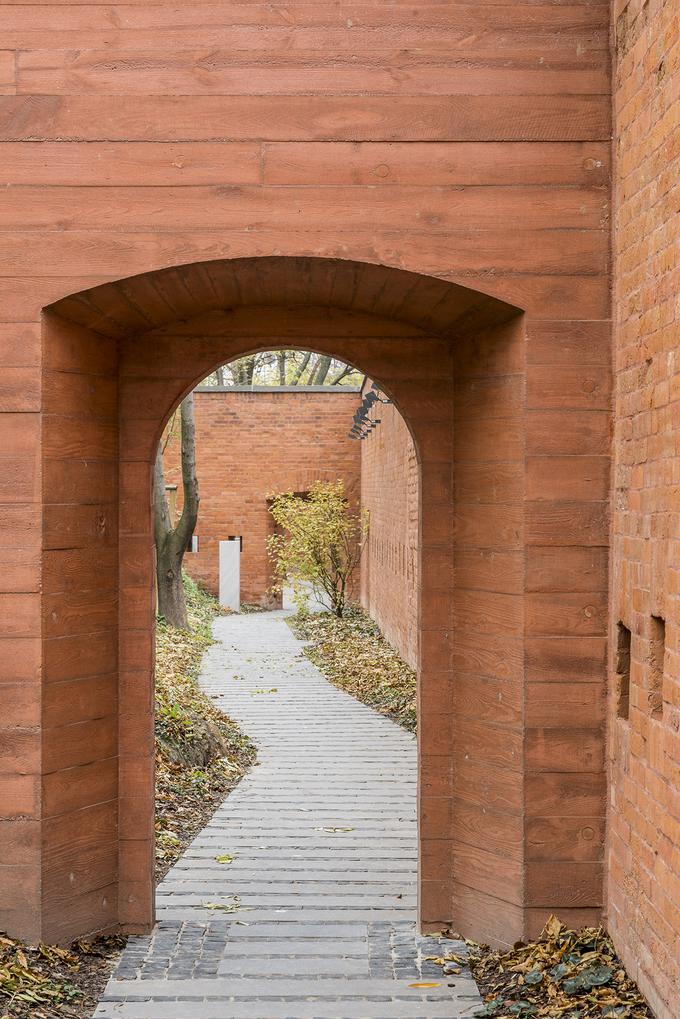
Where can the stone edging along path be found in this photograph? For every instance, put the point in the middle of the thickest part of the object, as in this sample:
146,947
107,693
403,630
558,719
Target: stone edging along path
298,899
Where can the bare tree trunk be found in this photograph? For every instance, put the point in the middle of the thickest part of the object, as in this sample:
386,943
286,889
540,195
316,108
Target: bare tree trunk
322,368
304,361
281,358
219,372
172,542
249,369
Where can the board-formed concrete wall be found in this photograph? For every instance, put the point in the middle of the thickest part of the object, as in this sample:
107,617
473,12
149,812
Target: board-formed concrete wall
251,445
236,156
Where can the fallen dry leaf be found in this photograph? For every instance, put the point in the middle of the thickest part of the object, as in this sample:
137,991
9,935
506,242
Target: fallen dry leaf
353,654
564,974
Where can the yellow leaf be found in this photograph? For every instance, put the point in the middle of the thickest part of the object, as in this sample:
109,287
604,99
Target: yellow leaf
552,928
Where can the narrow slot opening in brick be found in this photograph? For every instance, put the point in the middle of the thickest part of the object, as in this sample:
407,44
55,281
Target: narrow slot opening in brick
657,654
623,670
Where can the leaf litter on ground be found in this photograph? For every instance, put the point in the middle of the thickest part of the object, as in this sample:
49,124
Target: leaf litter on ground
563,974
224,907
201,754
353,654
50,982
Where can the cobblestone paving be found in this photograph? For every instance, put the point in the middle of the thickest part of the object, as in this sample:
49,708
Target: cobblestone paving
314,917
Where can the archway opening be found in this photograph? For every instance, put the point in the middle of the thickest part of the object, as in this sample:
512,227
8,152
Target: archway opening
272,421
335,789
118,358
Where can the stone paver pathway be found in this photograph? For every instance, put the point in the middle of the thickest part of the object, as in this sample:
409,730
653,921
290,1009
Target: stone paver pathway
323,879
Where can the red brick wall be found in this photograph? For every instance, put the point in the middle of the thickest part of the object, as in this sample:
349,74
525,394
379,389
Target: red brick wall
389,566
249,445
643,902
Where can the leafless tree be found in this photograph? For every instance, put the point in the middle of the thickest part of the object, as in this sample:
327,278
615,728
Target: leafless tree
284,368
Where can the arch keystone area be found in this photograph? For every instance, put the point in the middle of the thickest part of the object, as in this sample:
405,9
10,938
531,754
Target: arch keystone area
508,784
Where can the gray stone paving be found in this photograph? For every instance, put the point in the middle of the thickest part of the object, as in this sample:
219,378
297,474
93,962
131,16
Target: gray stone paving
314,918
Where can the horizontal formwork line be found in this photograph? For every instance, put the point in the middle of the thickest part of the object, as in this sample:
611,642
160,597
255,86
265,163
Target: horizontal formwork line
132,95
313,94
289,118
263,186
265,144
199,229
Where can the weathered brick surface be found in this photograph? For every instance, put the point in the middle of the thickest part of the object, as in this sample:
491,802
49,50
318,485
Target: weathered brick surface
250,445
390,495
643,901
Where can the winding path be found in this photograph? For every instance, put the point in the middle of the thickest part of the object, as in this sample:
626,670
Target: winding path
323,879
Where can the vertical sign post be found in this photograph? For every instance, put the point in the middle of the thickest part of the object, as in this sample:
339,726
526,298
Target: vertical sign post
230,573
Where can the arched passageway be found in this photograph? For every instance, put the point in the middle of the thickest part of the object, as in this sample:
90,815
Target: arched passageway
493,785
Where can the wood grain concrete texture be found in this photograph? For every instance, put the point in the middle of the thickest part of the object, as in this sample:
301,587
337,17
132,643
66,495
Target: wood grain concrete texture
320,872
249,446
464,142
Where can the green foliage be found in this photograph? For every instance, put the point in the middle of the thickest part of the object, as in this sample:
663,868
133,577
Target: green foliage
353,654
319,544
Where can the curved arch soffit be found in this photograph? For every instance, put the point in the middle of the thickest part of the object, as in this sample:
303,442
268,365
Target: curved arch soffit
249,348
152,300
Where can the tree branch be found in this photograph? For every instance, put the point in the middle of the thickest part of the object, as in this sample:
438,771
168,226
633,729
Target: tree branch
299,371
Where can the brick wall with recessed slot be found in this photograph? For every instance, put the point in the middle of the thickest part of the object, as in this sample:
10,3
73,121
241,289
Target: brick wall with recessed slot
643,861
250,445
